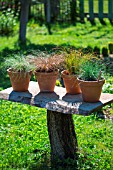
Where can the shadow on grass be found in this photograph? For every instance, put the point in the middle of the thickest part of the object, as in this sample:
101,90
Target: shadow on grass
67,164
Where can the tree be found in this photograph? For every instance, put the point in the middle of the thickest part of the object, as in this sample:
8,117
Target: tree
63,140
23,19
54,9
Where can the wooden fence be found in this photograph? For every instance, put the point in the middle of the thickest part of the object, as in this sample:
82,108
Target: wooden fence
85,8
65,10
96,9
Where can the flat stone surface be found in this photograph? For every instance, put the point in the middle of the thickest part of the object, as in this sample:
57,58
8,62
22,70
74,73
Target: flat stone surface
57,101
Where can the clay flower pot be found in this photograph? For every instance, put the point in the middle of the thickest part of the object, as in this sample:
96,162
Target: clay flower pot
19,80
46,80
91,90
71,83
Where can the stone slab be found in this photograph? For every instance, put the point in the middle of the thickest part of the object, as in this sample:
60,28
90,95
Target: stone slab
57,101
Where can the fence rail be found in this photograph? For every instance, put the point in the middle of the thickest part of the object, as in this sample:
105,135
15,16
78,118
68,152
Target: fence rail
104,9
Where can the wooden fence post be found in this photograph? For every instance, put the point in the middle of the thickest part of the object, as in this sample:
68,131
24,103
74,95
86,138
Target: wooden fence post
91,10
82,10
73,11
49,16
110,10
100,8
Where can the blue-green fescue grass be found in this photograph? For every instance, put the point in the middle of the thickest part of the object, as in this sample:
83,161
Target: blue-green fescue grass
25,142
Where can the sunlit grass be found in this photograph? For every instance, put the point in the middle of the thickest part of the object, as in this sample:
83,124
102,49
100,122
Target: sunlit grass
25,142
81,35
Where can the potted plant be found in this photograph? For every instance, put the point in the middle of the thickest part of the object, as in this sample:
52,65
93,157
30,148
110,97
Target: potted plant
47,71
91,79
69,75
19,70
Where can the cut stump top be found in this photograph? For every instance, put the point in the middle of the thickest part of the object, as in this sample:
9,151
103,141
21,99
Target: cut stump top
57,101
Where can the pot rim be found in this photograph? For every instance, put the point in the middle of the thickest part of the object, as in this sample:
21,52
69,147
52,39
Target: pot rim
84,81
52,72
68,75
9,70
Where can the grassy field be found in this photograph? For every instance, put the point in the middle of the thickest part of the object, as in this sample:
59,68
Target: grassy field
81,35
24,138
25,143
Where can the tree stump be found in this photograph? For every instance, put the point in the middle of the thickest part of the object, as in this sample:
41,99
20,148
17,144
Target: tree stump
62,136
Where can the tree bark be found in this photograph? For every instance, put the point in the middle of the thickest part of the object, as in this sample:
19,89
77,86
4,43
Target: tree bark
24,19
48,15
54,9
62,136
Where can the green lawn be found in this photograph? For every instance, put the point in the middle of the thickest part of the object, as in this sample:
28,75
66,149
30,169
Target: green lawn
81,35
25,143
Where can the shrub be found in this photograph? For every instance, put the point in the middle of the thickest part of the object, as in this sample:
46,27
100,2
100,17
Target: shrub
87,50
96,50
105,51
7,22
110,47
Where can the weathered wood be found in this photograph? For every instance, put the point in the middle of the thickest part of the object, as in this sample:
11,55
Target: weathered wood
62,136
58,101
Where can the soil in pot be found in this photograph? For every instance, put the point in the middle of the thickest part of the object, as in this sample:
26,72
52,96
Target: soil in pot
71,83
19,80
46,80
91,90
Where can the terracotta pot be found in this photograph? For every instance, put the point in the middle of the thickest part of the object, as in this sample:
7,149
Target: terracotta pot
71,83
46,80
91,90
19,81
